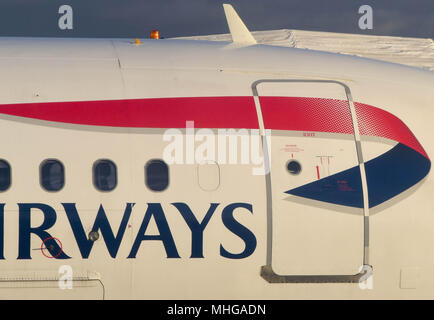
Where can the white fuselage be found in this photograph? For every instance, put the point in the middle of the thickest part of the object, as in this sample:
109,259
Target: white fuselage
81,100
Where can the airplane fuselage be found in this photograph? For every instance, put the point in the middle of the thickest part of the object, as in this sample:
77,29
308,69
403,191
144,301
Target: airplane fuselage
204,170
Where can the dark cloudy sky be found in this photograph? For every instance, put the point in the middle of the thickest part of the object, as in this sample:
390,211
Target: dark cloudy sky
134,18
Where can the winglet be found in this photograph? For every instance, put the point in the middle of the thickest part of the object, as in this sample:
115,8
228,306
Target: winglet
239,32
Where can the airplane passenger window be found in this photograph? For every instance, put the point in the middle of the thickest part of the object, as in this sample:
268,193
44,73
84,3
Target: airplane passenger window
5,175
52,175
157,175
105,175
293,167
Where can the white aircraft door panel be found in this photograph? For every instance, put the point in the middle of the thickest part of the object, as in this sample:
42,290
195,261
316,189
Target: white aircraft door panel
317,226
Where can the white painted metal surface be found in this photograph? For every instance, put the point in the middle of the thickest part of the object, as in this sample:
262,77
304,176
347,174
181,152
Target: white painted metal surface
61,70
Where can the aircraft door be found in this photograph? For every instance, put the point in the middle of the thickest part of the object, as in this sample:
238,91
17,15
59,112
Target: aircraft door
317,225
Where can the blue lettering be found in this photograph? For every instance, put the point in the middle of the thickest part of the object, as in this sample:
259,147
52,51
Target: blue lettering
195,227
25,230
2,230
238,229
101,223
155,210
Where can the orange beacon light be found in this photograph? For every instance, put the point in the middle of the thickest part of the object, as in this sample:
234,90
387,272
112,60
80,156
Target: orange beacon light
155,34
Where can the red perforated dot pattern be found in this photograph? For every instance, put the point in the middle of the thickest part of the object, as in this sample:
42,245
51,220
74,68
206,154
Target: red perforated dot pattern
334,116
307,114
376,122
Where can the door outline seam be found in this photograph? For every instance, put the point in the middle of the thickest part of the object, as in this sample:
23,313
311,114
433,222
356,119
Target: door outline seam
267,271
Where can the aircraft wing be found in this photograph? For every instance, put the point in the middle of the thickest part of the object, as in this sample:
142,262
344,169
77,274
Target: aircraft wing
417,52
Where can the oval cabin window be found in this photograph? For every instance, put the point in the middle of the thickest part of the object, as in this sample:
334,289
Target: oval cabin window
105,175
5,175
52,175
208,176
157,175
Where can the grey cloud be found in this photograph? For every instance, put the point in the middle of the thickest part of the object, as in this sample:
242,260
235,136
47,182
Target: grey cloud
134,18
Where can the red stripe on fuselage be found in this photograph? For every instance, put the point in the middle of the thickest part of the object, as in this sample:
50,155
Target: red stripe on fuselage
379,123
307,114
334,116
206,112
279,113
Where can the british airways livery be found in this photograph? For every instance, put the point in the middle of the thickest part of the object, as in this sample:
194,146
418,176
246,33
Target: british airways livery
180,169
